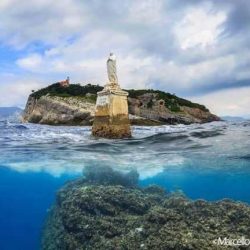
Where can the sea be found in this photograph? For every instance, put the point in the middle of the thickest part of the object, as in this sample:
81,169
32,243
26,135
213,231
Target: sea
204,161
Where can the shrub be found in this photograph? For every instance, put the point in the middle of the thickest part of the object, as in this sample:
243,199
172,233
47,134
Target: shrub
168,98
150,104
72,90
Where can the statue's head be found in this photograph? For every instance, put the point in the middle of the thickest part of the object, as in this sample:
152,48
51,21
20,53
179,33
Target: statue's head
112,57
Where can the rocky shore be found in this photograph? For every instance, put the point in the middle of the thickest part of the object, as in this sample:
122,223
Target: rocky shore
75,105
107,210
55,110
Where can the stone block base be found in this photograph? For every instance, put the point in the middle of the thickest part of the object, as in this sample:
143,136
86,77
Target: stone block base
111,114
113,128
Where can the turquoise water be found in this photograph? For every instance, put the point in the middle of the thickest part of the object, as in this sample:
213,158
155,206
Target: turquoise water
209,161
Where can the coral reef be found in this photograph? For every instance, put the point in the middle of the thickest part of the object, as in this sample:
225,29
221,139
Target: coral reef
114,213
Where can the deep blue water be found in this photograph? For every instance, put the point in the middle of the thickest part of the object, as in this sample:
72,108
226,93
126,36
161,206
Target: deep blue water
210,161
24,201
213,185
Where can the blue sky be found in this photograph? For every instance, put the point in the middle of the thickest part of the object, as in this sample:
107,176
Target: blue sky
196,49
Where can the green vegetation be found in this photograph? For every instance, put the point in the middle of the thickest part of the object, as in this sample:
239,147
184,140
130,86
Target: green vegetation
150,104
73,90
172,102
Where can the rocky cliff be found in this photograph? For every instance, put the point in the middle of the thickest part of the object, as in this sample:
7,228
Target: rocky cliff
75,105
55,110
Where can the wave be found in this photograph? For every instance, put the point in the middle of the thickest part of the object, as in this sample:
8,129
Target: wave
19,127
246,124
242,157
206,134
57,150
165,137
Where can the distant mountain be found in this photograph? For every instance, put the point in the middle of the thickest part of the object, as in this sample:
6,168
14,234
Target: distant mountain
9,111
233,118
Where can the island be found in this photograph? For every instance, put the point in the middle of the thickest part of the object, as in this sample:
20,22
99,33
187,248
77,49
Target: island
74,104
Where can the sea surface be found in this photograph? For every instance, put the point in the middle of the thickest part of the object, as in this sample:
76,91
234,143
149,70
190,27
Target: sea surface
209,161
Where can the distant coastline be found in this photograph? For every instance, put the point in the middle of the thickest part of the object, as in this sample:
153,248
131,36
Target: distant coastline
9,111
234,118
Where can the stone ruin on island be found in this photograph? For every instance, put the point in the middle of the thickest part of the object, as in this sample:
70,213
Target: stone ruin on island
111,115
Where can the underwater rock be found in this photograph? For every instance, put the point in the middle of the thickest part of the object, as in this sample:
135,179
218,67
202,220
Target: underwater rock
104,175
90,215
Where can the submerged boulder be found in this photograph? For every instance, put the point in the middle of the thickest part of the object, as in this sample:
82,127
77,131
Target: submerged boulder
105,175
92,214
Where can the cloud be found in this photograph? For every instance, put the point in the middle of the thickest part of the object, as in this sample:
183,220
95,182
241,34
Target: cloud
15,92
199,27
191,47
30,62
40,20
235,101
238,17
146,12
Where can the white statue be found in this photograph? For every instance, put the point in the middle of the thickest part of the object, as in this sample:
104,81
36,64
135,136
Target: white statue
111,67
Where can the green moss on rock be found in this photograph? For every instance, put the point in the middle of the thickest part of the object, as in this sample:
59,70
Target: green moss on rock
94,214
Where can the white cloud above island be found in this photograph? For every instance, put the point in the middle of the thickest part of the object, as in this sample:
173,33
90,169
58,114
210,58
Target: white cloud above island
195,49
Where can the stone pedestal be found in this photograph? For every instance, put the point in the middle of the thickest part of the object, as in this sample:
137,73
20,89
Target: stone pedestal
111,114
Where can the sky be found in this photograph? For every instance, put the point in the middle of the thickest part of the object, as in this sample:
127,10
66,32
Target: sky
197,49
